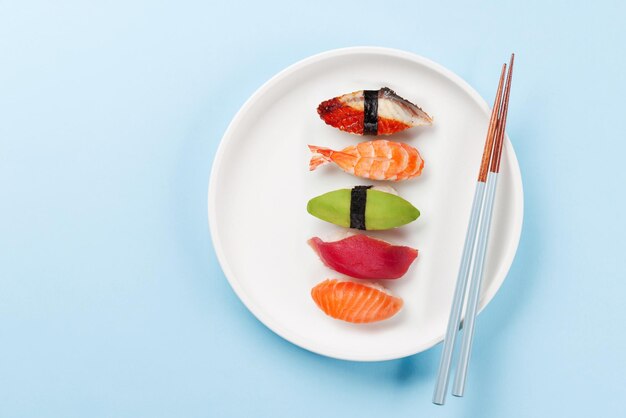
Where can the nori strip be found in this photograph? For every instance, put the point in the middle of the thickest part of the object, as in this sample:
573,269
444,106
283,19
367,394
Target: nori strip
358,199
370,114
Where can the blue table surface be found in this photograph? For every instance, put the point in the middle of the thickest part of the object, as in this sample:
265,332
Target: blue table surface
112,303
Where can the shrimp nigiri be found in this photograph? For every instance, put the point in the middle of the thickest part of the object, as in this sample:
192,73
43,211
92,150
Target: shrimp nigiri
355,302
376,160
372,112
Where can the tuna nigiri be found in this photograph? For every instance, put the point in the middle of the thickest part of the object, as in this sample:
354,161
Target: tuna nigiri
355,302
376,160
364,257
372,112
363,207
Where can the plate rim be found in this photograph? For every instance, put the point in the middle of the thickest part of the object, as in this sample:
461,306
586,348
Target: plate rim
518,209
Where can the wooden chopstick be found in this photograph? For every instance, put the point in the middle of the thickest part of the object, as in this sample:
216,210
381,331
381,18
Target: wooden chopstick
495,163
492,132
483,237
470,238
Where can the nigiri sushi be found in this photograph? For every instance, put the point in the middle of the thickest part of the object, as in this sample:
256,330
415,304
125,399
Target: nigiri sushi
363,207
355,302
363,257
376,160
372,112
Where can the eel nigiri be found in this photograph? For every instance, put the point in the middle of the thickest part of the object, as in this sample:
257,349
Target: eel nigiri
363,257
363,207
376,160
355,302
372,112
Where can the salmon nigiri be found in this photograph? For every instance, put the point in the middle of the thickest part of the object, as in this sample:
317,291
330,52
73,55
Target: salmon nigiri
372,112
376,160
355,302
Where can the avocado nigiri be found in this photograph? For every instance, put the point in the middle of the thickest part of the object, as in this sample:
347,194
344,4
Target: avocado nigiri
363,207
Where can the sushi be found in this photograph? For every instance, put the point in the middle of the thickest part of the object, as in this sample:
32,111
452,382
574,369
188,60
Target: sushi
363,257
355,302
375,160
363,207
372,112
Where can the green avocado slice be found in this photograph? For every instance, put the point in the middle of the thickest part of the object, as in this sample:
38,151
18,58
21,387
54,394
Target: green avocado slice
386,210
382,210
333,207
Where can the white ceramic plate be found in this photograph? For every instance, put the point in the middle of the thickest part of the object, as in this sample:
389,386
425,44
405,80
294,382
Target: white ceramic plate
260,185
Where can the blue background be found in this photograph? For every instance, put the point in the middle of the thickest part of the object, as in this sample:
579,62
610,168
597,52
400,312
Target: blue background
112,303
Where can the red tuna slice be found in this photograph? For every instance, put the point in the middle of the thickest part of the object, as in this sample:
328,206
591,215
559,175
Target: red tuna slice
364,257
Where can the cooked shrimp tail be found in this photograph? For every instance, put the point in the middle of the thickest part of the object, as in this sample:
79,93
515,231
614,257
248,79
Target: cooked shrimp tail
320,156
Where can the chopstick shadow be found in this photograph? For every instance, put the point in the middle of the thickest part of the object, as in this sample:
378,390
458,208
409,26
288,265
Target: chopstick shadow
415,369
